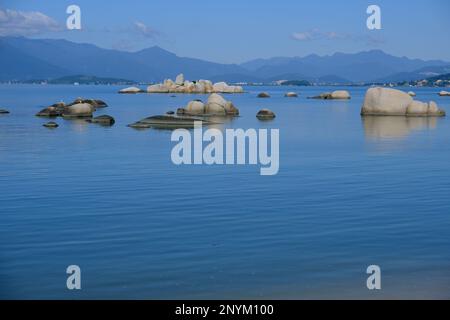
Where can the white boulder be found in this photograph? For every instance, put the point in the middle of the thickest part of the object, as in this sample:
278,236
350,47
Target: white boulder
417,108
392,102
385,101
79,110
444,94
195,107
130,90
340,94
216,104
179,79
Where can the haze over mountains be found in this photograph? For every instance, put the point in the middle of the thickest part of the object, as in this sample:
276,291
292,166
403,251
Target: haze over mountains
27,59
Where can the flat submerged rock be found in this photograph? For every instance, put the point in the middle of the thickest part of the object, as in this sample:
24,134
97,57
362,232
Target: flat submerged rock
168,122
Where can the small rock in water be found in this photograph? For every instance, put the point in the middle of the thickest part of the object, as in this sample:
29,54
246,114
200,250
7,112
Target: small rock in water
263,95
170,112
291,95
51,124
181,111
444,94
3,111
265,114
104,120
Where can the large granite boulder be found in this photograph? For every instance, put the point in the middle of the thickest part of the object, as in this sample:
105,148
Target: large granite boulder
216,105
79,110
195,107
340,94
392,102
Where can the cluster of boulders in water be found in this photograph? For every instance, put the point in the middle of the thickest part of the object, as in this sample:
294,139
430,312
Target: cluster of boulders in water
391,102
215,105
196,110
79,109
335,95
180,85
378,102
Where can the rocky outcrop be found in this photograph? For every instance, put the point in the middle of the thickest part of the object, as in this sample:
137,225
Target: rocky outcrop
180,85
103,120
130,90
335,95
215,105
265,114
444,94
60,108
291,95
392,102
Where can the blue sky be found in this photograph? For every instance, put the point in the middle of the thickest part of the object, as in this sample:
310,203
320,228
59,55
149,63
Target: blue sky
236,31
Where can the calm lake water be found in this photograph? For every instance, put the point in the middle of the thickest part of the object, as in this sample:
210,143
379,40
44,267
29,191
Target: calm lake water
350,193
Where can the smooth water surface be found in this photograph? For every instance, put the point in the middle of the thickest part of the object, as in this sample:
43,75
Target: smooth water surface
350,193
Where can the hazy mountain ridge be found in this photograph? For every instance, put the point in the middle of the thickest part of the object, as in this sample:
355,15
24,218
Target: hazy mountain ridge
25,59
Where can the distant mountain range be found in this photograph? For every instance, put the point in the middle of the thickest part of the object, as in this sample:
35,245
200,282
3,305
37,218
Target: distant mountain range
27,59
